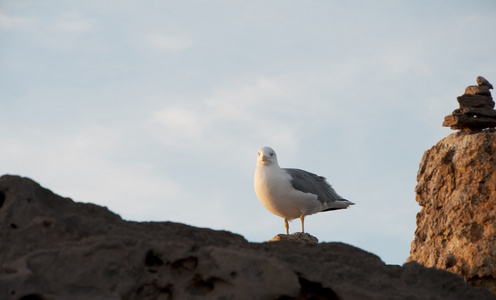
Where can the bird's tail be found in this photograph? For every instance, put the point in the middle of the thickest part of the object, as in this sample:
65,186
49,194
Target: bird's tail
338,204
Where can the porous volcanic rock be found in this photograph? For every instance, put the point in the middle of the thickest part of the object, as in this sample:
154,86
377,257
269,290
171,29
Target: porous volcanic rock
456,227
53,248
301,237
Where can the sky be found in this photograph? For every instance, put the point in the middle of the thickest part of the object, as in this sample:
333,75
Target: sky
156,109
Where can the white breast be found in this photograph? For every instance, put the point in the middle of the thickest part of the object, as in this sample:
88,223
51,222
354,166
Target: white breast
275,192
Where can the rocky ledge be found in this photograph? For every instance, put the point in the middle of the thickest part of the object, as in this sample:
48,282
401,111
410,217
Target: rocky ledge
54,248
456,227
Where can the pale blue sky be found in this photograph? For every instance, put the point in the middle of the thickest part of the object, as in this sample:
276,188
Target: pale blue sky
156,109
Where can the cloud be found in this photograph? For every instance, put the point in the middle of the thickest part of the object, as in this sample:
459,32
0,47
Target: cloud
260,110
169,42
181,123
232,116
87,165
406,57
73,25
66,31
10,22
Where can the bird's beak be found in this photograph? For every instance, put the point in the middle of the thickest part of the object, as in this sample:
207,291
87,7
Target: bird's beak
265,158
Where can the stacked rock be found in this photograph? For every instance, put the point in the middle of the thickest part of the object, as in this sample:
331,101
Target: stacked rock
476,110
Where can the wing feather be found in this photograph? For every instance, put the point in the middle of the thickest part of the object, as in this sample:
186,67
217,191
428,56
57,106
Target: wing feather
312,183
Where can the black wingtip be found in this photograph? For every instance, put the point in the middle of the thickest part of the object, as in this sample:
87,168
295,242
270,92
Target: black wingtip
329,209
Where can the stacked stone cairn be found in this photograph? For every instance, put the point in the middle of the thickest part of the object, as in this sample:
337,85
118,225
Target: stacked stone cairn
476,110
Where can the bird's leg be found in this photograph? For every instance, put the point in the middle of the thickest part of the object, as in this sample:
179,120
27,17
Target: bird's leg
286,225
302,218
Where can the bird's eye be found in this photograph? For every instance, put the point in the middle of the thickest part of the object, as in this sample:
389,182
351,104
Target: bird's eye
271,154
258,153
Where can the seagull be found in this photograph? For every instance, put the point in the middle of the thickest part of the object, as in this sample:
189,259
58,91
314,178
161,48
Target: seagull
483,81
293,193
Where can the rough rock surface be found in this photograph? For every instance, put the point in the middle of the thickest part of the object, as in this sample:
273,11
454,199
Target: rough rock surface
301,237
456,227
53,248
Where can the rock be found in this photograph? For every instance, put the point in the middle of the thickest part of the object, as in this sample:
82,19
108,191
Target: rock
478,90
58,249
296,237
474,122
456,226
481,81
476,109
475,101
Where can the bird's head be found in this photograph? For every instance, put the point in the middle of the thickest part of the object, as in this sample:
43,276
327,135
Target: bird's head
266,157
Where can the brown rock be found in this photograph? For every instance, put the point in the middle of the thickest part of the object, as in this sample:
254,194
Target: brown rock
475,101
456,227
477,111
53,248
481,81
478,90
296,237
462,121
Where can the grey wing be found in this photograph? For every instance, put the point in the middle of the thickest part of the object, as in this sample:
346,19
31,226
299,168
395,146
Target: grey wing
312,183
